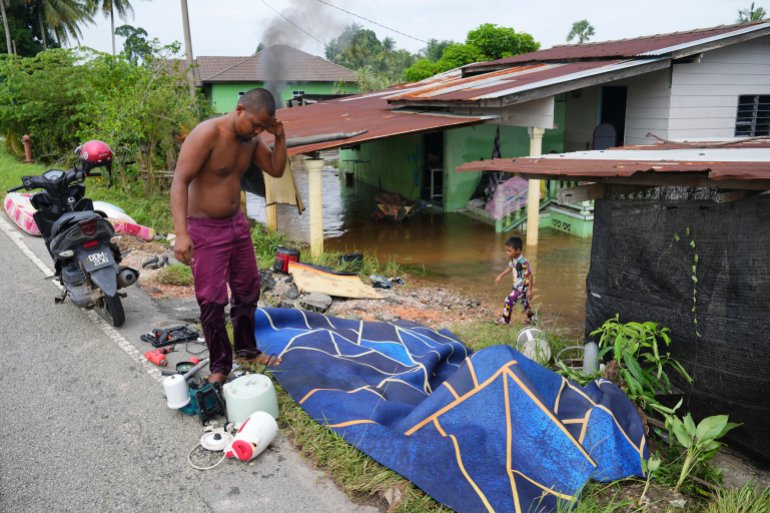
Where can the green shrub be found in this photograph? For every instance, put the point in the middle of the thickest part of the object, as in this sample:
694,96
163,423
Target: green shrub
63,97
643,362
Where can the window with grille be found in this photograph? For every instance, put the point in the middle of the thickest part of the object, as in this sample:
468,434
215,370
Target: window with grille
297,93
753,117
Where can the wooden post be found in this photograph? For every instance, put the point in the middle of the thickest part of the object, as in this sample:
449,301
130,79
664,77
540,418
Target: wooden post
271,217
27,146
533,196
314,167
271,207
244,208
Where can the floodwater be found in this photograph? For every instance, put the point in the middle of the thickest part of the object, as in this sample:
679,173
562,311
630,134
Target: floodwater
456,252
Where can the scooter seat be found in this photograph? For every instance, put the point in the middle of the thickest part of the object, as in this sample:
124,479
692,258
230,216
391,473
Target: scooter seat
70,218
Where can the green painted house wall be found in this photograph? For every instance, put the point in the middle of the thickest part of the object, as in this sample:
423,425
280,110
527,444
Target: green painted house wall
391,164
463,145
396,163
224,96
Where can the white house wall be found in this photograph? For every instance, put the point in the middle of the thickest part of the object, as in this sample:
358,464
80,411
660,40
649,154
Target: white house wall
582,116
704,95
647,107
538,113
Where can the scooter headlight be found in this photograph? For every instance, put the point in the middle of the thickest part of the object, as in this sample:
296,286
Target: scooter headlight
67,253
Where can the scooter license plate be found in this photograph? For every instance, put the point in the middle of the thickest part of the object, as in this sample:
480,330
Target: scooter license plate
97,259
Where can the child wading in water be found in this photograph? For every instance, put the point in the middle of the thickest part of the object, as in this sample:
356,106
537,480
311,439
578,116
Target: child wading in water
523,281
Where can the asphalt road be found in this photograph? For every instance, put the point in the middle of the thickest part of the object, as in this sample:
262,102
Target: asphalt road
84,426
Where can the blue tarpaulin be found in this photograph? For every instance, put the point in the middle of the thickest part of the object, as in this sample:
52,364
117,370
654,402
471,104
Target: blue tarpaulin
490,431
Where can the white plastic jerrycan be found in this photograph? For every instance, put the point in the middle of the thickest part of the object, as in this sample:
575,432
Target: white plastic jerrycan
247,394
253,437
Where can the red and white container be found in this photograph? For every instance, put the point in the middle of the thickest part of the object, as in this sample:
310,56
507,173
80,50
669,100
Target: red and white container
253,437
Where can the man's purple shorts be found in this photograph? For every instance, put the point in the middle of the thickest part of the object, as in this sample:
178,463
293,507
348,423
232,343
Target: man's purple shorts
224,255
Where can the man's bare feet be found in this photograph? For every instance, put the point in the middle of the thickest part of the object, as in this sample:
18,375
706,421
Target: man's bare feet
270,360
217,377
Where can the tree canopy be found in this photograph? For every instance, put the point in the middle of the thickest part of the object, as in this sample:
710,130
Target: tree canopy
62,17
377,63
751,14
109,8
582,30
486,43
136,48
23,30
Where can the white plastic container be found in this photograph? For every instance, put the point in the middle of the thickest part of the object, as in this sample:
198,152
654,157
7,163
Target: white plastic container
248,394
175,388
253,437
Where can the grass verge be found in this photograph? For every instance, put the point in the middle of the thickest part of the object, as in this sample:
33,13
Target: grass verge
356,473
175,274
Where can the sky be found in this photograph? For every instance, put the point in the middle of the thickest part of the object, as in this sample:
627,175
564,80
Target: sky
236,27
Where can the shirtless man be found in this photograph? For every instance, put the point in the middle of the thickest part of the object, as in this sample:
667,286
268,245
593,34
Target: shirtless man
212,234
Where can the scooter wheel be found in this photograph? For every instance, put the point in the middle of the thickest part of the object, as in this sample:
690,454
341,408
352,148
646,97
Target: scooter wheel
114,307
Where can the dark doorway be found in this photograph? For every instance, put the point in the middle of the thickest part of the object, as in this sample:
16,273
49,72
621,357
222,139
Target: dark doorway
433,171
614,110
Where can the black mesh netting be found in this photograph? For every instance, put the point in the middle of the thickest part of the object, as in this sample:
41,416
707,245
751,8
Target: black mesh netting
646,257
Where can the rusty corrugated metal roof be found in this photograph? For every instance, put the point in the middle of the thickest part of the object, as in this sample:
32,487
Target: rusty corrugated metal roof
455,88
369,112
620,49
736,161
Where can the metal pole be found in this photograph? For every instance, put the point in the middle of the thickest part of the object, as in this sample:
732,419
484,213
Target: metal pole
188,48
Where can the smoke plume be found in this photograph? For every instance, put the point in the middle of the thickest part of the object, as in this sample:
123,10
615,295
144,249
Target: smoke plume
314,17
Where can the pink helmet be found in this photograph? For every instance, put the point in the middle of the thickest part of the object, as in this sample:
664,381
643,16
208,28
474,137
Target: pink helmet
94,154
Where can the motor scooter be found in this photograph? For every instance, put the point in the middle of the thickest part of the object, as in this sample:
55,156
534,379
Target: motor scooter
81,241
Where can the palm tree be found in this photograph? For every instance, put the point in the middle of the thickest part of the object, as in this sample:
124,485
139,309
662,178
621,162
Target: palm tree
751,14
8,48
582,30
109,7
62,17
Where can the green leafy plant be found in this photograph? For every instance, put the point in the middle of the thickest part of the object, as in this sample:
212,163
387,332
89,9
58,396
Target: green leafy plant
642,359
574,374
699,442
650,467
694,276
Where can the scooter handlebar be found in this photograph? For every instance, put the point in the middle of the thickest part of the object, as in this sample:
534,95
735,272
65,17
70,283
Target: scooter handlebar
27,182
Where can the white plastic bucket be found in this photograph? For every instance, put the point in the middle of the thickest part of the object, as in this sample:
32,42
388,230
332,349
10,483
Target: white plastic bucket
247,394
175,387
255,434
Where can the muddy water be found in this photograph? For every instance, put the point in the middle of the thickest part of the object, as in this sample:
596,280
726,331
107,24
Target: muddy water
455,251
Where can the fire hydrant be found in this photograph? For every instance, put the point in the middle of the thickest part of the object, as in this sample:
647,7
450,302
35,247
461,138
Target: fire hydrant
27,148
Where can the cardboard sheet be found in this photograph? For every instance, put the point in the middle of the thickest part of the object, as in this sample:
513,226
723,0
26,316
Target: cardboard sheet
309,278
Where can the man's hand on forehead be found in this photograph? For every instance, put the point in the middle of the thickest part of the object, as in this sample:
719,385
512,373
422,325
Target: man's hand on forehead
276,127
